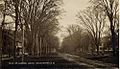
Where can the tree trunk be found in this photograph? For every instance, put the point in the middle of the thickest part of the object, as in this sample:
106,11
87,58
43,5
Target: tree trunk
40,50
113,41
97,48
1,43
112,33
38,45
42,45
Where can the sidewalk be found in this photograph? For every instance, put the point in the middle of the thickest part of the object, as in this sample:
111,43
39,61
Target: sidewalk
94,63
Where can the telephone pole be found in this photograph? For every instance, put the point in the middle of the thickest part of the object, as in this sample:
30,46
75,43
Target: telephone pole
23,44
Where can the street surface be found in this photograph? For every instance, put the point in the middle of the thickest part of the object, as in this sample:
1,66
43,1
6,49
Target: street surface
52,61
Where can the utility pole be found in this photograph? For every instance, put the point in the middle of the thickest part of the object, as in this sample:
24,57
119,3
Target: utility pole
23,43
16,25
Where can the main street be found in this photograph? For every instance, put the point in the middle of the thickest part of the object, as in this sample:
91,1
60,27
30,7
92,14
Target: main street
51,61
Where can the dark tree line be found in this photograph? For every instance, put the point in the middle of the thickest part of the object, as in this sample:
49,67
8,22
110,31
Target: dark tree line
35,23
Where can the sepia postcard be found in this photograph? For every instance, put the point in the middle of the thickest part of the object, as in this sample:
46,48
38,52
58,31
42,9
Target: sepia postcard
59,34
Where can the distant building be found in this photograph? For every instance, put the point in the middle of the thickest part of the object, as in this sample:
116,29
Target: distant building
105,44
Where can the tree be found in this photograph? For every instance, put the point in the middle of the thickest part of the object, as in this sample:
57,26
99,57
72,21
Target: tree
41,20
2,21
77,42
110,7
93,20
2,14
37,18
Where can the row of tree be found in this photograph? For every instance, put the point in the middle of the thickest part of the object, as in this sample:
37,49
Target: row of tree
36,21
91,33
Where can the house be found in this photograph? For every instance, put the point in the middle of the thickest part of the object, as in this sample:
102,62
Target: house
8,42
105,44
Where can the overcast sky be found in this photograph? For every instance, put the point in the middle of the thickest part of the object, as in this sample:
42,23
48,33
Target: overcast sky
71,8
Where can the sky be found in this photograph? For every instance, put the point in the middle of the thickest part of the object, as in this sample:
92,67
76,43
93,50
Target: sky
71,8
